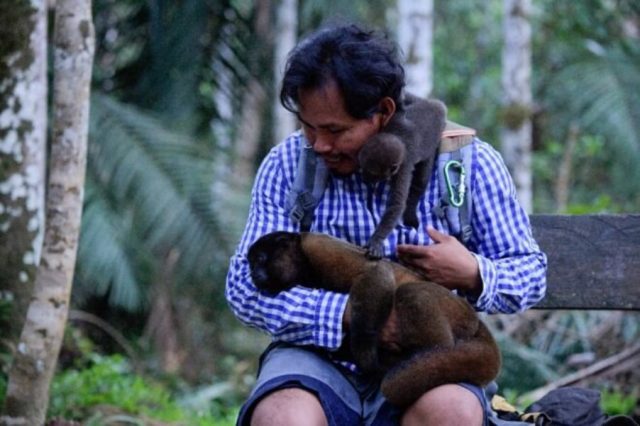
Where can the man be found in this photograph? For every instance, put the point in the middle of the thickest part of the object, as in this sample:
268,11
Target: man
344,84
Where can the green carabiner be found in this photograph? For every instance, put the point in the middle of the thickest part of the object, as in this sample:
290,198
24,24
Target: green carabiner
456,198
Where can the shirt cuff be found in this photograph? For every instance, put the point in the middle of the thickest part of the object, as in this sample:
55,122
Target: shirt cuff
328,330
488,276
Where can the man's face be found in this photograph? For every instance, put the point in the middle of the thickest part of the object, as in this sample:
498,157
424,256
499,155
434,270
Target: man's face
334,134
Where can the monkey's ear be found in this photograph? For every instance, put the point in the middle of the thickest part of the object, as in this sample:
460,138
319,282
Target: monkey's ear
386,107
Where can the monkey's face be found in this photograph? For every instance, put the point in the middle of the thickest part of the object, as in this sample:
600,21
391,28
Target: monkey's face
376,171
277,261
381,157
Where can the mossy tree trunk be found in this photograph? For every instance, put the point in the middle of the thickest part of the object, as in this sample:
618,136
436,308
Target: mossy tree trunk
254,102
23,124
34,364
285,38
516,85
415,37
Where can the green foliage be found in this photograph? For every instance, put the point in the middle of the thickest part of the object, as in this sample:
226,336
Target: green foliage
593,186
5,353
586,76
110,383
6,304
314,12
3,387
523,368
467,68
614,403
539,347
148,192
16,24
178,58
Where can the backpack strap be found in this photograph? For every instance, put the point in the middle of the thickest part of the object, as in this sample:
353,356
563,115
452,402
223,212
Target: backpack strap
454,173
454,180
308,187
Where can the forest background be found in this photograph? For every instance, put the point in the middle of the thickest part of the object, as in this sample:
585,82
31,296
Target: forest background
183,108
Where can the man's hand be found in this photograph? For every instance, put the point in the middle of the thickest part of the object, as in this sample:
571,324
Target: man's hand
447,262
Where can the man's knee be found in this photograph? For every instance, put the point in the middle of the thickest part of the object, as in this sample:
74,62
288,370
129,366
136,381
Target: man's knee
445,405
290,406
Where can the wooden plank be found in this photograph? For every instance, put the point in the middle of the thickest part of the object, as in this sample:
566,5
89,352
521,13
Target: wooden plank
593,260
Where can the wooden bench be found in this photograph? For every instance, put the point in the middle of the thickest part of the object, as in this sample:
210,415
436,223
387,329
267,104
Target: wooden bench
593,261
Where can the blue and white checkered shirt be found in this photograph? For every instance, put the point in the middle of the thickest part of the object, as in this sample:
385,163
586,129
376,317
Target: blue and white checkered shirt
512,267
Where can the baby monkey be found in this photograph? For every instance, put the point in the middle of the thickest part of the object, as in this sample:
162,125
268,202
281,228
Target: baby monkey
442,340
404,151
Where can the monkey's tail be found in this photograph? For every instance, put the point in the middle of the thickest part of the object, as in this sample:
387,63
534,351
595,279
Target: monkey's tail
475,360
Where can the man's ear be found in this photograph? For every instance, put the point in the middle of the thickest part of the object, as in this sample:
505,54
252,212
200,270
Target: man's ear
387,108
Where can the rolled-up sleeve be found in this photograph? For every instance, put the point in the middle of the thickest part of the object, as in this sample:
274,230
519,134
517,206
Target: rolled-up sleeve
512,266
300,315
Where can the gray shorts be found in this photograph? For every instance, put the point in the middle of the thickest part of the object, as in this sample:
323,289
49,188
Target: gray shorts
347,398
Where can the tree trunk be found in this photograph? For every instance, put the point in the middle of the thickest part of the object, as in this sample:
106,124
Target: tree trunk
162,325
23,124
563,181
516,84
35,361
286,34
415,37
252,121
254,103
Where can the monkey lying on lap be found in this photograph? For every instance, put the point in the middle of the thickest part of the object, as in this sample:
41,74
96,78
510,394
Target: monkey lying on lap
442,339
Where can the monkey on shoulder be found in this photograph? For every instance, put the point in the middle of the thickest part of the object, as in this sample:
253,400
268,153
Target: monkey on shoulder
404,151
442,340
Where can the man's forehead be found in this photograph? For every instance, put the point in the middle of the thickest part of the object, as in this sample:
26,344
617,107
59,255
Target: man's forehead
322,107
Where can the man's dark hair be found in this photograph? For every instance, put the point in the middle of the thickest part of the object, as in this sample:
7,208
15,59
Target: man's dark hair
364,64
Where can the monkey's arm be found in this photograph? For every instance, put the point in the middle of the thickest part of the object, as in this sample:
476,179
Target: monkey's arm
301,315
398,192
429,117
419,182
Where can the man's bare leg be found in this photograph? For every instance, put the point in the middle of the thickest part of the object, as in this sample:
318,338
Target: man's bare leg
289,407
445,405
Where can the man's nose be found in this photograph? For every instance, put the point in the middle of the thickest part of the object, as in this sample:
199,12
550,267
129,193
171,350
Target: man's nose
322,144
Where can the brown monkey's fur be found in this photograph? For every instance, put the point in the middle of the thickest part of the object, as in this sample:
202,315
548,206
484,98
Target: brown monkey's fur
404,151
442,340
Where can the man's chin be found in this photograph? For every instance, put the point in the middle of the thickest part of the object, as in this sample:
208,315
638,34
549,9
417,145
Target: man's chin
341,170
342,173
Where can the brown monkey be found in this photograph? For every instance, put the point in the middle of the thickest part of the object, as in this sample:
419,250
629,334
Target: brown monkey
404,151
442,338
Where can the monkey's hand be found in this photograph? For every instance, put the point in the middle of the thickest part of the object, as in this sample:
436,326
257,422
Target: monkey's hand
364,350
375,250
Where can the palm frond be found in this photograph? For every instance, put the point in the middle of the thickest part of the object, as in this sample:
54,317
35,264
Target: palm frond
154,194
108,260
523,367
600,94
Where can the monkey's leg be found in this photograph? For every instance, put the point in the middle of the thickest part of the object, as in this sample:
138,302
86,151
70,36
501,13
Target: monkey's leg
393,212
419,181
371,303
475,361
443,358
